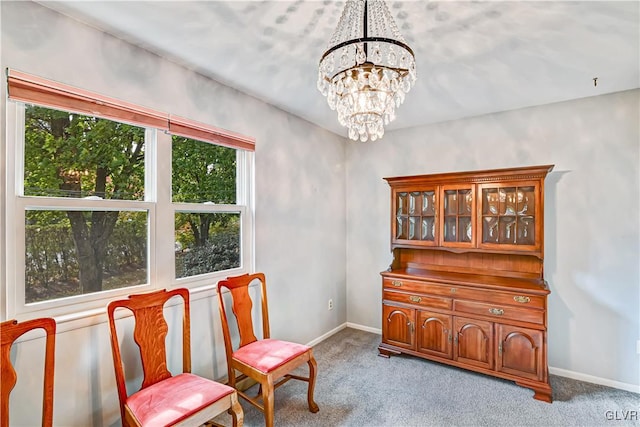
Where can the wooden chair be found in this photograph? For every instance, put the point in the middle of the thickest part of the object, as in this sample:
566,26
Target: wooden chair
185,399
10,331
264,360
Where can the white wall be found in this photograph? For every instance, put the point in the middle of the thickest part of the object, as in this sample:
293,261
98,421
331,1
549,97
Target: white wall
300,205
592,234
592,225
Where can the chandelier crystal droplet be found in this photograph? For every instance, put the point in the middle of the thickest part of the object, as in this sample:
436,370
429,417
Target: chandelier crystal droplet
367,69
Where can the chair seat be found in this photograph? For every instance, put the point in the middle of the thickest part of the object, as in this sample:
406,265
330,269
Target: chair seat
268,354
174,399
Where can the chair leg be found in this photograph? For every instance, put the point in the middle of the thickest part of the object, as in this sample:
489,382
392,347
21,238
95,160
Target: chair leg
313,407
267,401
259,391
237,415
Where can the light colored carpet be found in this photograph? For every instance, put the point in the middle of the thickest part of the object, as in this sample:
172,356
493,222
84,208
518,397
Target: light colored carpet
356,387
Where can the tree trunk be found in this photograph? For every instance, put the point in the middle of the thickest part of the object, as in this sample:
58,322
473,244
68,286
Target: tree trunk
90,238
200,225
89,266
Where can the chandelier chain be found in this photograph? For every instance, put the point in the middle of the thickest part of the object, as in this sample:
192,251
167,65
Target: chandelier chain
388,18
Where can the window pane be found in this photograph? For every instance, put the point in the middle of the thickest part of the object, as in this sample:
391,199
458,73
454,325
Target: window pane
202,172
206,242
72,155
81,252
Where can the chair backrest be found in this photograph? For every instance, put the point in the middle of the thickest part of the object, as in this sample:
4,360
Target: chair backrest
10,331
242,307
149,334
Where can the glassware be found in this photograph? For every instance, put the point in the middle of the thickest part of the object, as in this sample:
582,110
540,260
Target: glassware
523,203
492,201
507,234
412,228
489,231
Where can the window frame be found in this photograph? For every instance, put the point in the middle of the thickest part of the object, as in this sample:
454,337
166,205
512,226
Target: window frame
157,202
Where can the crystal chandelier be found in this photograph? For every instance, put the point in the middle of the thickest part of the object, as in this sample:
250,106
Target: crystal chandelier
367,69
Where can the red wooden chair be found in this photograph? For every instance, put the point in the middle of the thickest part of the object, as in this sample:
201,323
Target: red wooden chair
10,331
264,360
185,399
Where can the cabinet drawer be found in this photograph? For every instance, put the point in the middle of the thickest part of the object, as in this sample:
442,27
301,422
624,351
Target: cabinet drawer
517,299
500,311
417,286
424,301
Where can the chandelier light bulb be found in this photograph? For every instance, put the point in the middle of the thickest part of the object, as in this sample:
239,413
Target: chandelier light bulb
366,77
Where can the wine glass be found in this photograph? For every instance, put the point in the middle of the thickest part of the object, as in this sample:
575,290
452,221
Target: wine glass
524,202
507,234
468,199
490,228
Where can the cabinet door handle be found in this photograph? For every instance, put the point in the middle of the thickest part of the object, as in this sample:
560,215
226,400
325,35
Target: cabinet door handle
500,349
521,299
396,283
415,298
455,340
496,311
412,327
449,336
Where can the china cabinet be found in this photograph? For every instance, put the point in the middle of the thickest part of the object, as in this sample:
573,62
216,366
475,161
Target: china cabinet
466,284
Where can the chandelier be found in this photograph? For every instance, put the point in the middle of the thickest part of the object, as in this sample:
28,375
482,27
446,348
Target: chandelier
367,69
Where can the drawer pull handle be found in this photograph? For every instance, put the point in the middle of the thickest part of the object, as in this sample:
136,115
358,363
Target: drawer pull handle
496,311
453,290
415,298
521,299
396,283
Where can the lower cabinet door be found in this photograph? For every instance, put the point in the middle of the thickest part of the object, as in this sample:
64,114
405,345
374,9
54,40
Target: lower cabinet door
520,351
434,334
473,342
398,326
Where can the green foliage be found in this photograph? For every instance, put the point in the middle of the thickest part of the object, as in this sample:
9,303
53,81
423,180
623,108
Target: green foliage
221,253
73,155
52,268
203,172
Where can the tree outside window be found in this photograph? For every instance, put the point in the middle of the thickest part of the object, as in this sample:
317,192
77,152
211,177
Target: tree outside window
99,238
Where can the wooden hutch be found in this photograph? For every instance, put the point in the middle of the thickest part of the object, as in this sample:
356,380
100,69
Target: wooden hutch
466,284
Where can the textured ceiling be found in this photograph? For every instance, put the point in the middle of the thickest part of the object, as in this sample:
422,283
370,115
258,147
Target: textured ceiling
473,58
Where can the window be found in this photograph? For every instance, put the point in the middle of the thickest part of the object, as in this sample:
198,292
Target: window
208,238
92,185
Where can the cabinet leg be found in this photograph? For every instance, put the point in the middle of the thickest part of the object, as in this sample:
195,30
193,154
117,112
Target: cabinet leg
544,396
542,393
385,352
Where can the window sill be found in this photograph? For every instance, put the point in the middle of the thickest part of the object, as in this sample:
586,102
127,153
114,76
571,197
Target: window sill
93,317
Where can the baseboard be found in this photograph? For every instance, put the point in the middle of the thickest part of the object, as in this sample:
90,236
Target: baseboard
555,371
364,328
593,379
327,335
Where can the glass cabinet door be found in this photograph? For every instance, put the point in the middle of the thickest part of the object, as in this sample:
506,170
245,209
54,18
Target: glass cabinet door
458,213
416,216
509,215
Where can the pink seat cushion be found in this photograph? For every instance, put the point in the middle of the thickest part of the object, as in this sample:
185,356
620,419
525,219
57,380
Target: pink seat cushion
267,355
174,399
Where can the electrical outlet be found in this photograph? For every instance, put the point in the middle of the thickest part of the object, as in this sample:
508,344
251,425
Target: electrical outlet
330,304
